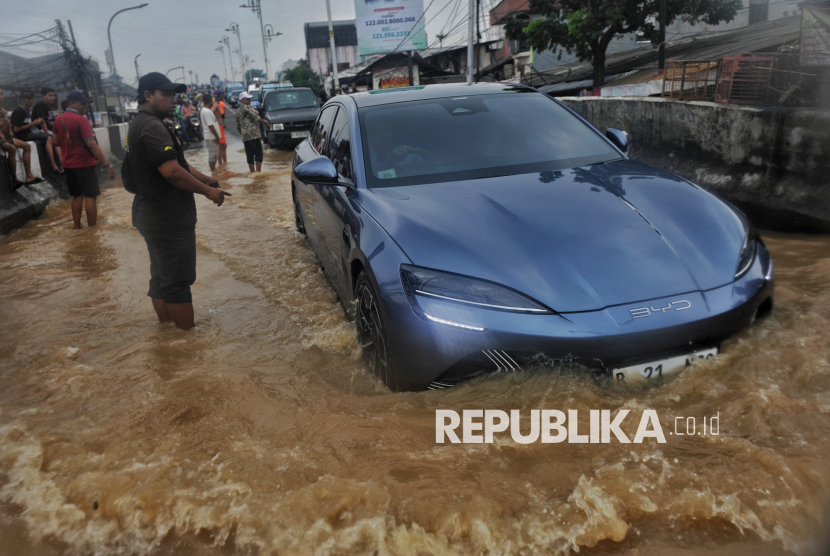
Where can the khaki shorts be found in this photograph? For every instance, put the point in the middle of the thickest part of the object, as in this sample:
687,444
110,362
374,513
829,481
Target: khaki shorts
213,150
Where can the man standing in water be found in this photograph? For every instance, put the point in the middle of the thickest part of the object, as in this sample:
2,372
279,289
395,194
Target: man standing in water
210,123
247,123
81,155
164,209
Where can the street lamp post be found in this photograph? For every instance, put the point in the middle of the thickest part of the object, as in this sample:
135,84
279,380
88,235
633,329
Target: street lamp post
221,48
137,73
226,41
177,67
270,34
234,28
109,36
256,6
331,44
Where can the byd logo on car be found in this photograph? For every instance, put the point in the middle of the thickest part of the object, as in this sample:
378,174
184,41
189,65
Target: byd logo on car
642,312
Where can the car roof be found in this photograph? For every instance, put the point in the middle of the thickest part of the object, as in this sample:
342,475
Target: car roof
425,92
287,89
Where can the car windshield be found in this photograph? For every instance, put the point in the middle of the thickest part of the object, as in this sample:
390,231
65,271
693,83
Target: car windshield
462,138
283,100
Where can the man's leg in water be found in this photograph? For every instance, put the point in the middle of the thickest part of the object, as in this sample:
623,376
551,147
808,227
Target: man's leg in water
161,309
182,315
77,210
91,206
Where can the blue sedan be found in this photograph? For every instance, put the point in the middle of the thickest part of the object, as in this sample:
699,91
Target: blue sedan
473,229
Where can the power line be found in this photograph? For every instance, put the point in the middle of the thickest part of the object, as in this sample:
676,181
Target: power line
403,40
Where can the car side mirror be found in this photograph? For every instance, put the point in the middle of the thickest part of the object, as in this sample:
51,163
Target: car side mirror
620,139
320,171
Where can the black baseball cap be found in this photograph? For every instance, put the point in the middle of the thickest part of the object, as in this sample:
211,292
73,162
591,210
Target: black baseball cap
155,81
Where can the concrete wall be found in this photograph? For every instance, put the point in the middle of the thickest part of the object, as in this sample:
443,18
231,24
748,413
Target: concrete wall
774,164
28,202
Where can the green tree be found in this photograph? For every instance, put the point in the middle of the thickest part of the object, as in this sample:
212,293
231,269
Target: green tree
302,75
586,27
253,72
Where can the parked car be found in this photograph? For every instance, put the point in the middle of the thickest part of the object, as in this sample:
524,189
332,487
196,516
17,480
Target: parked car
473,229
232,94
290,113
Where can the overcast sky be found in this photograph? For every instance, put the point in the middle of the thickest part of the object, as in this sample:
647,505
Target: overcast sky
169,33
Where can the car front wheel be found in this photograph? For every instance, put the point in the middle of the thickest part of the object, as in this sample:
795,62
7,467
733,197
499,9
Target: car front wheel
298,215
371,331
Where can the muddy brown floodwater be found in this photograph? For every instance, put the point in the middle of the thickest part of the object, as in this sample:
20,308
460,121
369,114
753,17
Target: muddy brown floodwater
261,432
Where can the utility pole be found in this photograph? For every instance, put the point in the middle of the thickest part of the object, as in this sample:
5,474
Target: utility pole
661,56
221,48
333,48
256,6
478,38
470,33
79,69
137,73
227,44
269,35
409,63
234,28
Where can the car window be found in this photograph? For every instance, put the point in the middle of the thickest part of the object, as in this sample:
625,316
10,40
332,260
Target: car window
322,130
340,148
285,100
462,138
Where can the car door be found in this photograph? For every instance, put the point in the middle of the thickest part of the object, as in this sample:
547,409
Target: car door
331,202
306,194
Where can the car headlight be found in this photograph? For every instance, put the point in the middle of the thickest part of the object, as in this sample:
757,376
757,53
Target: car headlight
277,127
748,252
455,288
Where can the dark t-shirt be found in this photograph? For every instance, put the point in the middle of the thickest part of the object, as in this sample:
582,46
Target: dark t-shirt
19,118
158,205
43,110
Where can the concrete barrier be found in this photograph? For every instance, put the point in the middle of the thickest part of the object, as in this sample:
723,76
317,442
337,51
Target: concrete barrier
29,202
773,164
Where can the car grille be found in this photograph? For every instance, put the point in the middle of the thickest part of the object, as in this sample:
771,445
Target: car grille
495,361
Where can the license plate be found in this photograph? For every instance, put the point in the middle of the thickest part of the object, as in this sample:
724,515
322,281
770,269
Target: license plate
298,134
655,369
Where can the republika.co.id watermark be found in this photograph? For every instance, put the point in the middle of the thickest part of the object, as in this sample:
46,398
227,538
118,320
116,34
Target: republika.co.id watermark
551,426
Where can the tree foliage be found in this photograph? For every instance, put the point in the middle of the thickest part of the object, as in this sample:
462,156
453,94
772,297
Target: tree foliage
302,75
587,27
253,72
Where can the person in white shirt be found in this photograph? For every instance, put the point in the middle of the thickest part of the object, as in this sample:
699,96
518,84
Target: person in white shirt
209,122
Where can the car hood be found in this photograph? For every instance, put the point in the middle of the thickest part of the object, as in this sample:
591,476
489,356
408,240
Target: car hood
292,115
576,240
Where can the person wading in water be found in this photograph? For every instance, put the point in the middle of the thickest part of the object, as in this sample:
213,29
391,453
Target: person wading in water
164,209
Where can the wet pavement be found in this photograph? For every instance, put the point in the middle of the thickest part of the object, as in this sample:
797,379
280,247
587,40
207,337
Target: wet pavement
261,432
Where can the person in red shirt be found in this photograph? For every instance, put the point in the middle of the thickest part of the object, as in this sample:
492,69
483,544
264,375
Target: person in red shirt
81,154
219,111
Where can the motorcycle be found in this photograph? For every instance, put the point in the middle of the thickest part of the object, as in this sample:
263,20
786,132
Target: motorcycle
179,131
194,129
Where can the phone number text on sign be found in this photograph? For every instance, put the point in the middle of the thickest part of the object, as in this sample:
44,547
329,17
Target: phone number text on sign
396,28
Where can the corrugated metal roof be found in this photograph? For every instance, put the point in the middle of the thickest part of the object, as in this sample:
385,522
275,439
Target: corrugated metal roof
705,46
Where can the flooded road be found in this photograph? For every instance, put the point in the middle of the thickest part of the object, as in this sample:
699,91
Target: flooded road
261,432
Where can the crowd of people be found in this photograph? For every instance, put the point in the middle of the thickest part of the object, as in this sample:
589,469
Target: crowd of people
30,122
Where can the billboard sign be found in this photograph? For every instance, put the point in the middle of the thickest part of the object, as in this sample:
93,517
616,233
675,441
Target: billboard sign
395,77
815,36
385,26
